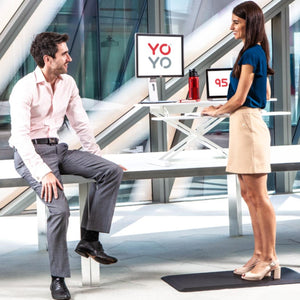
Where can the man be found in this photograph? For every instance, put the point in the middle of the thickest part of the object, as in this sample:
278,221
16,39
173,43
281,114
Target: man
39,102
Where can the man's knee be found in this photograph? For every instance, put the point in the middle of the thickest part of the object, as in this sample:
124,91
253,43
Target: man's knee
113,172
118,171
59,208
59,220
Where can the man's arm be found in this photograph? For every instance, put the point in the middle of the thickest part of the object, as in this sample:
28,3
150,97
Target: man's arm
79,121
20,110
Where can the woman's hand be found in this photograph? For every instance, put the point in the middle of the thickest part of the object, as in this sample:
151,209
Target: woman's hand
210,111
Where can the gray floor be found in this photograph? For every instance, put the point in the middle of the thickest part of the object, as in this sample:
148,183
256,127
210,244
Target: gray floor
151,241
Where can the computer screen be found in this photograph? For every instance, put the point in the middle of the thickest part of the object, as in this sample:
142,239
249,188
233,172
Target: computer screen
217,82
158,55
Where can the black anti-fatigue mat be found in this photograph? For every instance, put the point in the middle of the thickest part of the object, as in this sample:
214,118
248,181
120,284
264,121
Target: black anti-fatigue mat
225,280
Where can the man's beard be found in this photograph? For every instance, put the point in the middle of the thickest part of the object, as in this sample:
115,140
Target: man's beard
61,70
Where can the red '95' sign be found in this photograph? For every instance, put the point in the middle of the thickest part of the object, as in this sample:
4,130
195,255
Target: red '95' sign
217,81
221,82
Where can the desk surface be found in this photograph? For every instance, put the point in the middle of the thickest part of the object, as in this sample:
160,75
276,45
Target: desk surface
197,162
186,163
179,107
200,103
193,116
182,107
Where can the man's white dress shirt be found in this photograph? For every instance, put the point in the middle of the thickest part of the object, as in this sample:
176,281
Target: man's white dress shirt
38,112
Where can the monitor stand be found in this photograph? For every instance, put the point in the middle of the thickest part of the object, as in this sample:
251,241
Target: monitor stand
152,87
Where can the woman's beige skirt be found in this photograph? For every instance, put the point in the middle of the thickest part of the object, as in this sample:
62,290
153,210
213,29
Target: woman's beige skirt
249,142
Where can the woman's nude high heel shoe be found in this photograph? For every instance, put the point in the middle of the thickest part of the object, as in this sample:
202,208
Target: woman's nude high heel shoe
272,267
243,270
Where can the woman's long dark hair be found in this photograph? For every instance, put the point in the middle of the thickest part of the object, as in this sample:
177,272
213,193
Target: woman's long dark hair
255,32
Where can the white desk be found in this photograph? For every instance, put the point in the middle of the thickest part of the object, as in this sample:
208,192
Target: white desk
187,163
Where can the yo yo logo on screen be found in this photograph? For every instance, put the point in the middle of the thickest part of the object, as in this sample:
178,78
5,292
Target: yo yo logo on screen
159,55
163,49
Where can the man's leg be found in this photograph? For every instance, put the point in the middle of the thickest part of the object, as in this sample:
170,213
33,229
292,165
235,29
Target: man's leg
57,222
100,204
102,198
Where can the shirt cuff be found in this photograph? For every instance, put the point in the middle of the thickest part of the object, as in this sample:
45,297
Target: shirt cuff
40,172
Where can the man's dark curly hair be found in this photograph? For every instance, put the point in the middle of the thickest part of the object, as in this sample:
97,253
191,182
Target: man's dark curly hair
46,43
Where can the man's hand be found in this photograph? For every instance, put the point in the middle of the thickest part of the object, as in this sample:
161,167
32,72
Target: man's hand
49,187
123,168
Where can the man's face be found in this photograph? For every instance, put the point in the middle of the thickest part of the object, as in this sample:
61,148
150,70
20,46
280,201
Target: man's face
59,64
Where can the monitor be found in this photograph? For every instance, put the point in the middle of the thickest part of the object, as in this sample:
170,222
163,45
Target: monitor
217,82
158,55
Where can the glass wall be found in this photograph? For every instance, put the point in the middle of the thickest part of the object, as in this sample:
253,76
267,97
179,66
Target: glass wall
295,59
102,48
295,72
101,44
184,17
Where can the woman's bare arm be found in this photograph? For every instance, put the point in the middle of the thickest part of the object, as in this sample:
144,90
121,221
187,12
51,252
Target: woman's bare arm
238,99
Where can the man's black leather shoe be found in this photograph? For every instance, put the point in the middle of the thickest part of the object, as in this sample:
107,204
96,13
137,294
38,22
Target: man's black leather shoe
95,251
59,290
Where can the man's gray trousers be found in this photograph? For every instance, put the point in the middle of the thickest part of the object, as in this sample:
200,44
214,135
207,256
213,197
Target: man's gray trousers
100,204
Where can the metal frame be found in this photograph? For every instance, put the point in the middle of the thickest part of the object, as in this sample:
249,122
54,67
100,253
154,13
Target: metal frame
161,188
281,65
15,25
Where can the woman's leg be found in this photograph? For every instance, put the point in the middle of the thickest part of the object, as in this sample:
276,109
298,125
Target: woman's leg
256,232
264,217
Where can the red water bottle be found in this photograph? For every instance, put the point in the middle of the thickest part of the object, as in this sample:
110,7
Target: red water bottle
194,85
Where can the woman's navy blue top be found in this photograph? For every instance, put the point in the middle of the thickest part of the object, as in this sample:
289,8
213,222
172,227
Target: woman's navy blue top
257,95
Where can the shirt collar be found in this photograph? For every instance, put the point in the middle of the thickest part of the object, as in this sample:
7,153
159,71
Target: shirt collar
39,76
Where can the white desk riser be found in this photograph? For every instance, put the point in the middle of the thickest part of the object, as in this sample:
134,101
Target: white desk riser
173,113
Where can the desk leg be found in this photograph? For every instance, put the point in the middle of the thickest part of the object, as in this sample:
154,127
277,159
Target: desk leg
161,190
234,205
158,142
90,270
41,211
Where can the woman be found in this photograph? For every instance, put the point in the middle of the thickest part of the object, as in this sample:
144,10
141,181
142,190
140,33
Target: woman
249,138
